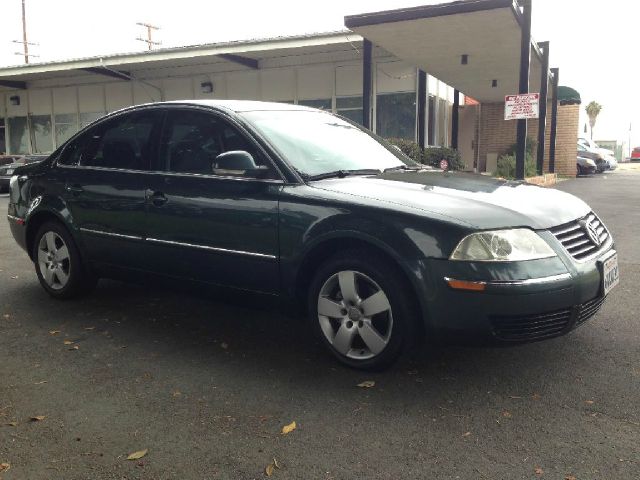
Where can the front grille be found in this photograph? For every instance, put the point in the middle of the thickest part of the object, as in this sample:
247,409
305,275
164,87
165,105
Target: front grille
531,327
589,309
583,237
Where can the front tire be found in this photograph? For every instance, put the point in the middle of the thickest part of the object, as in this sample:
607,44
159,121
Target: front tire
58,263
361,309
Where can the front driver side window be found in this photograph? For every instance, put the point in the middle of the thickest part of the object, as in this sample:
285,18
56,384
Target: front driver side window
194,140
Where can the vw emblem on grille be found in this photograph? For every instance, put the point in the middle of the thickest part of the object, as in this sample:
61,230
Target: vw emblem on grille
593,233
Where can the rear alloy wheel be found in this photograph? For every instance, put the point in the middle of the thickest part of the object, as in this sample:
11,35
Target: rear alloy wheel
360,310
58,264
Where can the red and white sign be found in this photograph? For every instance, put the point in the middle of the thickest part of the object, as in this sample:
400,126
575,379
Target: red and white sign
519,107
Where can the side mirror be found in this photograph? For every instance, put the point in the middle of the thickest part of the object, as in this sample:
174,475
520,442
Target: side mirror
238,162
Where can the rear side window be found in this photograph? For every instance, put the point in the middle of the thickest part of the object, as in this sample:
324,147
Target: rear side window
124,142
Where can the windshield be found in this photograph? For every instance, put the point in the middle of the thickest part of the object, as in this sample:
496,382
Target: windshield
317,142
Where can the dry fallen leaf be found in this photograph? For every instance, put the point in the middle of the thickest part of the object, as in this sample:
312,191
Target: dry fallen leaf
268,471
75,347
54,332
506,414
12,424
536,396
7,316
68,342
570,477
37,418
466,434
538,471
137,455
4,467
589,402
89,328
288,428
367,384
40,383
224,345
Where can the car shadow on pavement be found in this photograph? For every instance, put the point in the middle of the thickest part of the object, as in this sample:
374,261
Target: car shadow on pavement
202,336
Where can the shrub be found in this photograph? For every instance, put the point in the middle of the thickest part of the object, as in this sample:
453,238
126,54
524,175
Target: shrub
434,155
506,167
430,155
409,148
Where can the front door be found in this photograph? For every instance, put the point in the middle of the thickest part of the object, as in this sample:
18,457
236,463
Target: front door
104,172
210,224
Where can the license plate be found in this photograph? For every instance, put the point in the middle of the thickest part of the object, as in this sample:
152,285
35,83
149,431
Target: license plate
610,274
10,171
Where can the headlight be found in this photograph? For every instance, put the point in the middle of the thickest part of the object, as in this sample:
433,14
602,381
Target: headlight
502,246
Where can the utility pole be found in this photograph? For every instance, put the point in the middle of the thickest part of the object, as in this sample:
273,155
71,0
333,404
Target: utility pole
149,40
24,42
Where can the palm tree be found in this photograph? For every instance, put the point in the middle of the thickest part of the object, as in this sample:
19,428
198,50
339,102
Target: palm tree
593,110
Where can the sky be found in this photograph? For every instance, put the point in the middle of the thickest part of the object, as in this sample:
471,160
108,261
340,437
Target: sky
594,42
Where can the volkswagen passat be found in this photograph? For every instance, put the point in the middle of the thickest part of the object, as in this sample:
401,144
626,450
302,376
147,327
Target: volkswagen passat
302,204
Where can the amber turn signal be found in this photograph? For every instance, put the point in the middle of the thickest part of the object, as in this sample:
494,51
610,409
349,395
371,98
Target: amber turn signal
465,285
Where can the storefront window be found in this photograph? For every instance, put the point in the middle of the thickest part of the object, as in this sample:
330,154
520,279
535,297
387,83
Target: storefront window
18,135
42,134
66,126
432,121
322,103
442,122
396,115
3,138
351,108
89,117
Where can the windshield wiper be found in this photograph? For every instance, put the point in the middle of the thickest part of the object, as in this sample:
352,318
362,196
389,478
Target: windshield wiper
344,173
402,167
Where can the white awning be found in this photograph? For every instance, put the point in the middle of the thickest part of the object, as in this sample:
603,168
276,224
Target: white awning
435,38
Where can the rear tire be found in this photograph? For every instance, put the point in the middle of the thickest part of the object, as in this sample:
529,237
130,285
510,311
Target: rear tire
361,309
58,263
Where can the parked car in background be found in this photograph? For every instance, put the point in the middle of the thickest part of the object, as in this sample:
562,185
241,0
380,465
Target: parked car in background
587,142
586,166
301,204
607,155
15,161
635,155
598,159
7,159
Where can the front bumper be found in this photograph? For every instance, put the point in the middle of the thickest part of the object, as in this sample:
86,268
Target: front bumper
523,301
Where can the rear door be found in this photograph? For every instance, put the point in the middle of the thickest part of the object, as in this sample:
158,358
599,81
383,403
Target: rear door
212,225
105,174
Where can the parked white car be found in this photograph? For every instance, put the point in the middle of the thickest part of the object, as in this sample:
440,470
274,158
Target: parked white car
607,154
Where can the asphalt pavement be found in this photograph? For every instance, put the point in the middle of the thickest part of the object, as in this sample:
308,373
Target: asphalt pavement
205,387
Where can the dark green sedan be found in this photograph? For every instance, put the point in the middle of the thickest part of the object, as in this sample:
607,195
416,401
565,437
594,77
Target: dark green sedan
298,203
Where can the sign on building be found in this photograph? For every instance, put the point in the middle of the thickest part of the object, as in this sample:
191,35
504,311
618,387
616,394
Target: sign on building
524,106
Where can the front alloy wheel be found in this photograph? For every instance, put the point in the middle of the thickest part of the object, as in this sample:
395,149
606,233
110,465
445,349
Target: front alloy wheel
355,315
361,307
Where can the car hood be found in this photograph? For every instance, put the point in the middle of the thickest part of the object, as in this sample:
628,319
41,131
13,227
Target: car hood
475,200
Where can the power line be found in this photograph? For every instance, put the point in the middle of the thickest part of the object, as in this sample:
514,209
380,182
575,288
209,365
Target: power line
149,40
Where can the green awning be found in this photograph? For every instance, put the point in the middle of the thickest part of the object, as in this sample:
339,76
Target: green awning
568,96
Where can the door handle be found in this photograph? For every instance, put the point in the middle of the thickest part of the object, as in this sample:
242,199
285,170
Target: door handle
74,189
156,198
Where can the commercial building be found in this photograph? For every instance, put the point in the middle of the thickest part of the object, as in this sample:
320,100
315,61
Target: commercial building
394,72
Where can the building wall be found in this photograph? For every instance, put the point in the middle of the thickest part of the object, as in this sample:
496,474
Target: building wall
335,80
497,135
